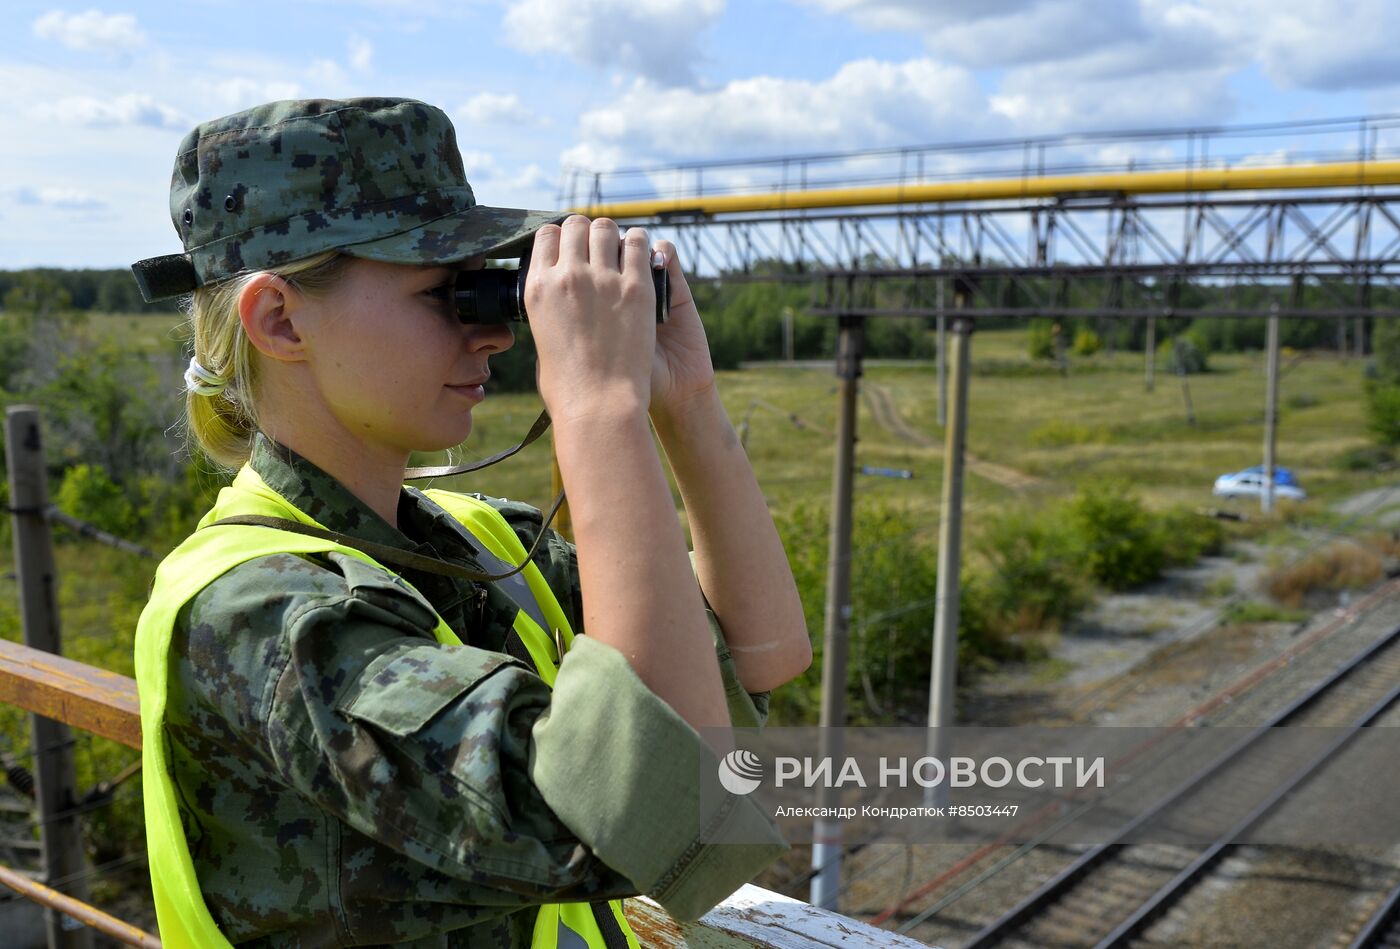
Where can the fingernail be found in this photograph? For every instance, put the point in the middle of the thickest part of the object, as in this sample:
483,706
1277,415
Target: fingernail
658,260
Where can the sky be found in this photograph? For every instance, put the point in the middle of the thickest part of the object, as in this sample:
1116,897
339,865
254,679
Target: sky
97,98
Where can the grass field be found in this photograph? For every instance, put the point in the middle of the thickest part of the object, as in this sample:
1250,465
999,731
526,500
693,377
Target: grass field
1096,422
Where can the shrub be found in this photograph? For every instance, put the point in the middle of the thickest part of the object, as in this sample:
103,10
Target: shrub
1339,566
1035,579
1184,354
1118,539
1042,340
1086,342
892,615
1186,536
1383,411
1057,432
88,493
1252,611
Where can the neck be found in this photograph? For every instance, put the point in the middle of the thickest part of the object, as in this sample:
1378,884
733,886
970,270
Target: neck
373,474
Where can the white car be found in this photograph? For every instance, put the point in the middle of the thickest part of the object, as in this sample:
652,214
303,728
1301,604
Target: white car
1250,484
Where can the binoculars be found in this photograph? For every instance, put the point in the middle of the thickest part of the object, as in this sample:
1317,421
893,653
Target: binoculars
498,295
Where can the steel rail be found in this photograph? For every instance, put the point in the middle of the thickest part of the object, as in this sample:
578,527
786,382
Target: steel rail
1381,923
1348,174
1062,881
1158,902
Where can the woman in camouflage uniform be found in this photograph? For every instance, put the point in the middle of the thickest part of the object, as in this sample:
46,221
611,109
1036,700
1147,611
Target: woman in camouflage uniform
342,777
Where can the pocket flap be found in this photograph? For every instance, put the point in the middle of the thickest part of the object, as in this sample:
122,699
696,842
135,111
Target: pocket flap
405,688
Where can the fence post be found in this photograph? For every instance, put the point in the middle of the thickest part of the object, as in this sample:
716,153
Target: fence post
60,836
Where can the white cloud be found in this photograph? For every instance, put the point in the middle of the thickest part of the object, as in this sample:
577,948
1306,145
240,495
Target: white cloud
1048,98
361,53
1297,43
129,109
489,108
65,199
241,92
1315,45
326,76
867,103
479,164
91,30
657,40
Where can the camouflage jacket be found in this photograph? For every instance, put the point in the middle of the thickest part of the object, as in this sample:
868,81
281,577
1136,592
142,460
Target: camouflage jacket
346,780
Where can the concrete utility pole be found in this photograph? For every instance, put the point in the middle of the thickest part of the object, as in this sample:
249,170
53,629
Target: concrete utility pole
787,333
944,674
1151,352
60,837
942,357
1266,499
1185,385
826,834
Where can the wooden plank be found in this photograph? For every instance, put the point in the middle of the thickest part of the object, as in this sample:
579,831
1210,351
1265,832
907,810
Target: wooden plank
755,917
94,700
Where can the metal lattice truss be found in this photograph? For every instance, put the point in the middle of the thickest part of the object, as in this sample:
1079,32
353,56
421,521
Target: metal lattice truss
1125,255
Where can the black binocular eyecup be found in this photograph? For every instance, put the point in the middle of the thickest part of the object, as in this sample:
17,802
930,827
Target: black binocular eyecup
497,295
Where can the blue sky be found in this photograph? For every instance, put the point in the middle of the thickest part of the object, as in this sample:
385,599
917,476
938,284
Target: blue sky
97,98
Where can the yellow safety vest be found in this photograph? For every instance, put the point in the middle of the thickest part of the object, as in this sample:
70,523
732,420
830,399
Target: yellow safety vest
185,921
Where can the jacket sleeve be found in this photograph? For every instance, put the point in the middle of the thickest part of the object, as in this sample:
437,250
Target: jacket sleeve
461,759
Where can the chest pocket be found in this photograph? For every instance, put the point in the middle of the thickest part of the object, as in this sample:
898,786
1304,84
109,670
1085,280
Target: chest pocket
403,690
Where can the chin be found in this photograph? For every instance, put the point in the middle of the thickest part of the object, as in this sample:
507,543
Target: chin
445,440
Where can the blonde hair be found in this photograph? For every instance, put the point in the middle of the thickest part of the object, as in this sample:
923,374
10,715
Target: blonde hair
223,425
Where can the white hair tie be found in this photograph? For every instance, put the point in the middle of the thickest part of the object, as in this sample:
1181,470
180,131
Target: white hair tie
201,381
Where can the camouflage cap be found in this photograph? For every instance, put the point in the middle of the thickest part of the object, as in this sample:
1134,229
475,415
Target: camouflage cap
375,178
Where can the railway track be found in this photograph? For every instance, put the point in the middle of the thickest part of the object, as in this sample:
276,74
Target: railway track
1111,893
1382,930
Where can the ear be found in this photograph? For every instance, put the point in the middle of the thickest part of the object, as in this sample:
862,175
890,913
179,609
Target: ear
268,307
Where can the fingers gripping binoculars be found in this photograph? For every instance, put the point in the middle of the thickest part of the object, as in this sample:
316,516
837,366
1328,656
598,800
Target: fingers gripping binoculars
498,295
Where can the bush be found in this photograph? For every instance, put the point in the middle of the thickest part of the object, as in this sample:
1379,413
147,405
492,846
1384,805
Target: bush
89,494
1186,536
1340,566
1042,340
1035,579
1383,411
1119,540
1184,354
1086,342
1057,433
892,615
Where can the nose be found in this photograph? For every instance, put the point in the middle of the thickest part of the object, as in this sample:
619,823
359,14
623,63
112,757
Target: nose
489,338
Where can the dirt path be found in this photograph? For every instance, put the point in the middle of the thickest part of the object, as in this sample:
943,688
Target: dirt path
887,416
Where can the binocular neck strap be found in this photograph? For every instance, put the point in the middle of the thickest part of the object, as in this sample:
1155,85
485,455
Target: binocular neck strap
393,555
403,558
442,471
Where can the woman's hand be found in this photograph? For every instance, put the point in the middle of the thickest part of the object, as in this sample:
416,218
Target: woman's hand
593,318
681,370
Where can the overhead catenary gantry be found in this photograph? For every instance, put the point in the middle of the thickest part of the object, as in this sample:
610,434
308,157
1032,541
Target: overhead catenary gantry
1113,224
1048,227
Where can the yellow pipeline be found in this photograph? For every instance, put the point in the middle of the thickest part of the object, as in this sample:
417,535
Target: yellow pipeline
1333,175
